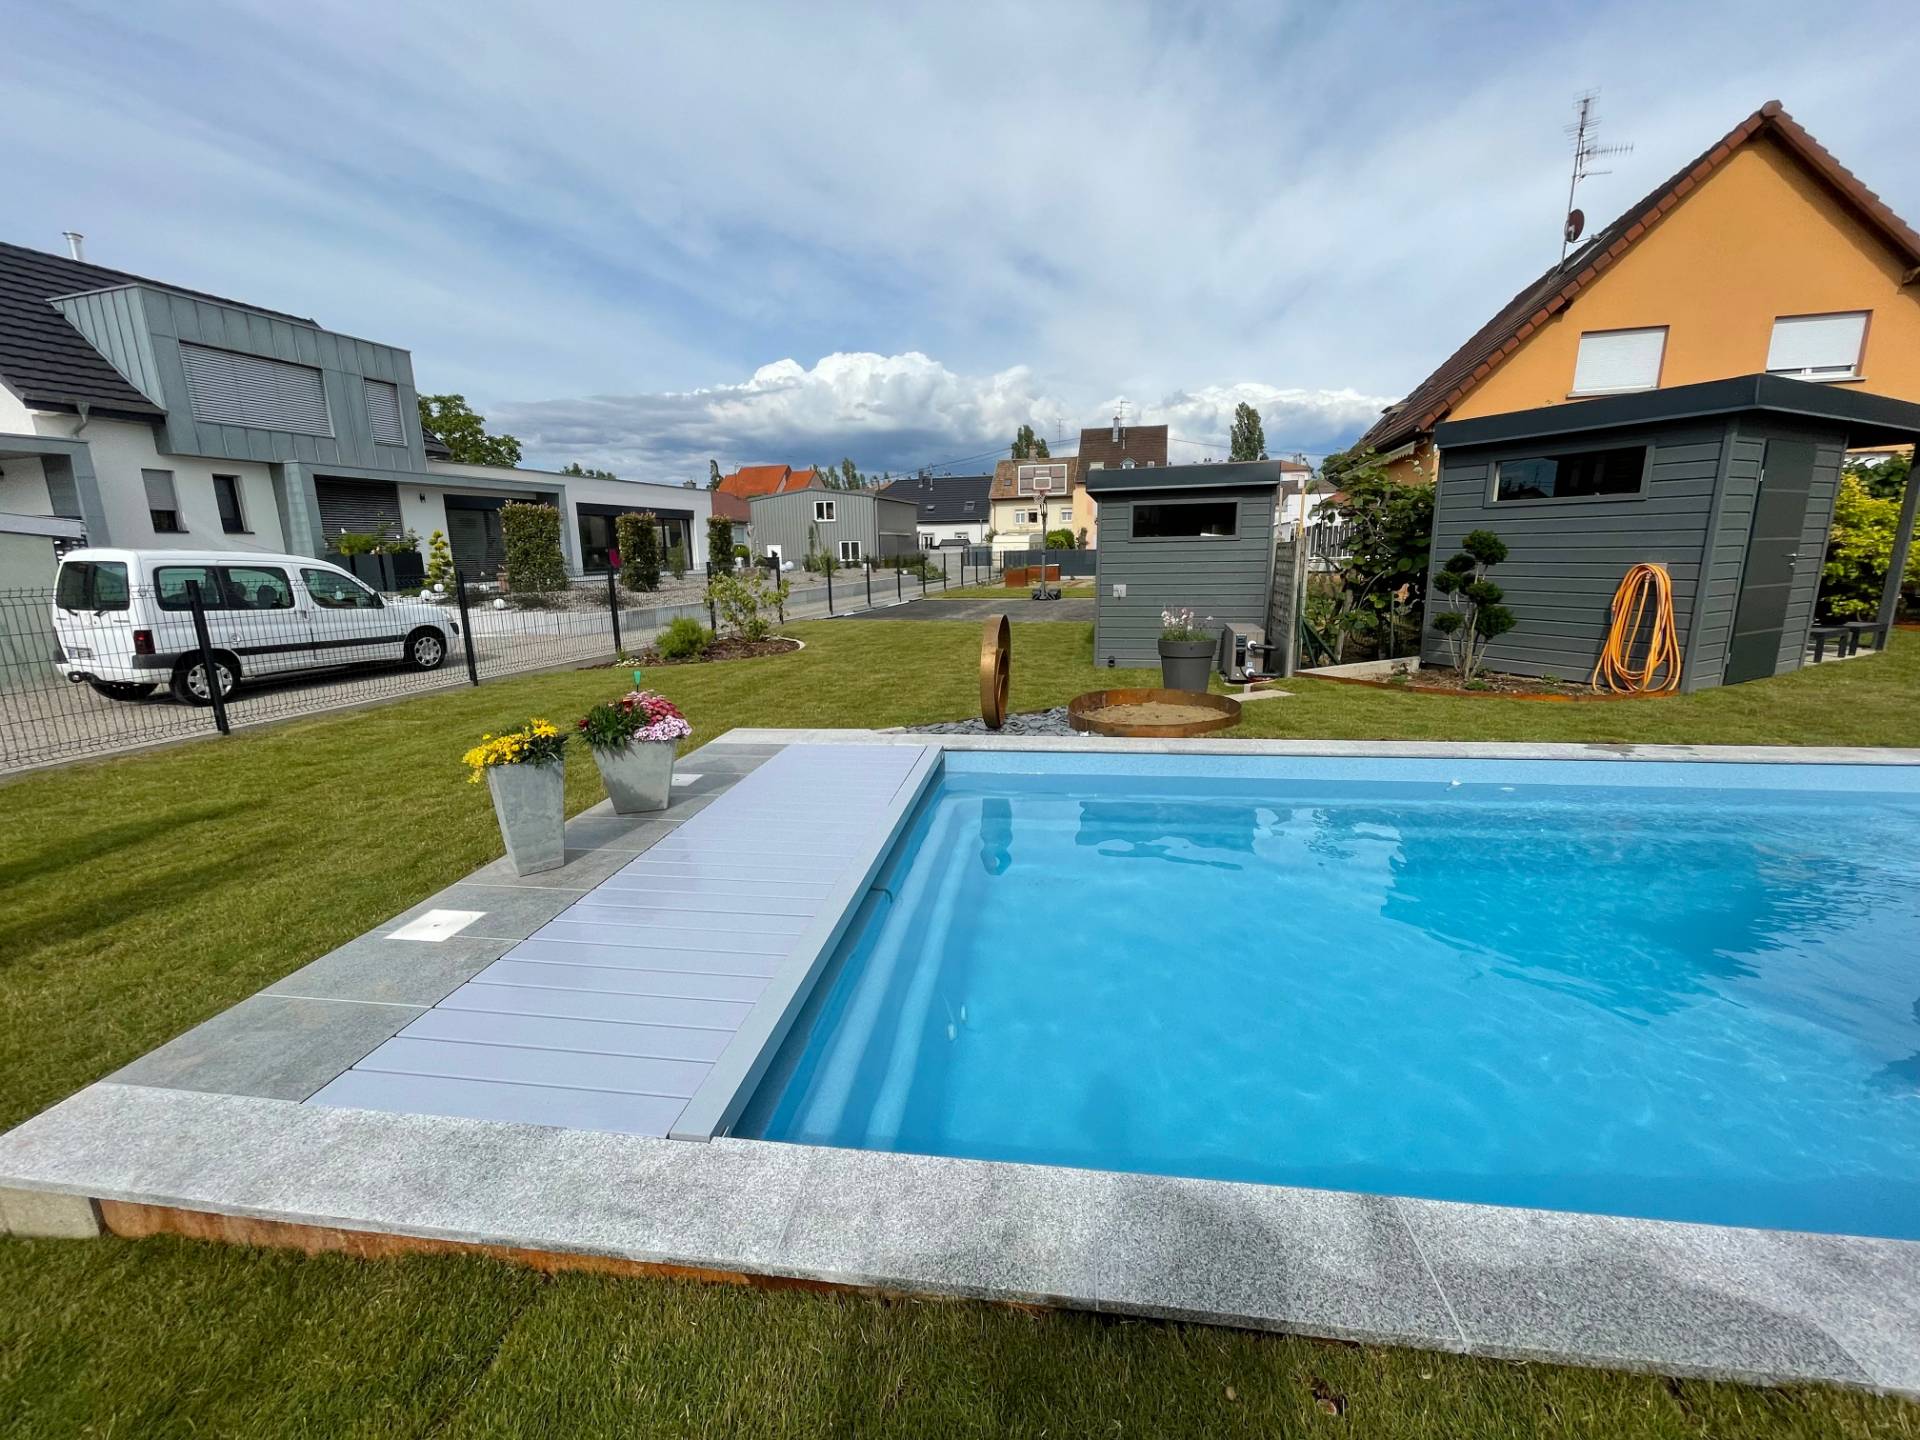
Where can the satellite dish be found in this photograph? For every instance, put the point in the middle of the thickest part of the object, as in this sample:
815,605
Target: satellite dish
1576,223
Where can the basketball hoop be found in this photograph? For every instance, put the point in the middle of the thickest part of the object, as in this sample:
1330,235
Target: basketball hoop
1042,484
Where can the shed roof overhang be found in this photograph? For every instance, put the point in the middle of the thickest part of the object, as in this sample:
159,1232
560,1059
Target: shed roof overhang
1865,418
1233,475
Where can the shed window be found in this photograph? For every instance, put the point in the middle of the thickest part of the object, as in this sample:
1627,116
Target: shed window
1573,475
1818,347
1186,520
163,506
823,510
228,388
383,410
849,552
1611,361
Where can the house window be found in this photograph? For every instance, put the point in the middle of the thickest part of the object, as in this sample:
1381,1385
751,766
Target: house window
226,492
227,388
928,540
1575,475
1614,361
823,510
1065,517
1187,520
1818,347
383,411
849,552
163,506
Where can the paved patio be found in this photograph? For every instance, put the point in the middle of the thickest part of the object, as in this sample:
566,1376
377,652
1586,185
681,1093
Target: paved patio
213,1123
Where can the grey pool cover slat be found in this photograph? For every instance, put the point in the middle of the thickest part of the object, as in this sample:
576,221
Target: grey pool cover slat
612,1014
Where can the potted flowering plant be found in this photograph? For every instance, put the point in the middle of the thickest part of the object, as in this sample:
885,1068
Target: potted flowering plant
525,771
632,740
1186,650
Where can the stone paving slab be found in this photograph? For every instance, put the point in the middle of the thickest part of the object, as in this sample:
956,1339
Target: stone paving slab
269,1045
383,970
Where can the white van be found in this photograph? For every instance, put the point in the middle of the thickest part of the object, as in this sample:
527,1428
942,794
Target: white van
123,621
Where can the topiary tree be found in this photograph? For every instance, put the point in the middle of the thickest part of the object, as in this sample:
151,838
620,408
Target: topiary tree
1476,616
719,542
638,536
439,559
1060,540
530,534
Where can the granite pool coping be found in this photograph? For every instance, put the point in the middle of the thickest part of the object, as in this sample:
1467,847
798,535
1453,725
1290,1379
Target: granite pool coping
216,1127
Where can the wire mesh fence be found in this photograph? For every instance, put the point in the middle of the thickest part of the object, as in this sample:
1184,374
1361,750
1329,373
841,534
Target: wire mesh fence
98,665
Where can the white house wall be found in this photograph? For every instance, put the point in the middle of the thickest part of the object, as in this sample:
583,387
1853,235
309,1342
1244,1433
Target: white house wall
121,449
23,486
638,495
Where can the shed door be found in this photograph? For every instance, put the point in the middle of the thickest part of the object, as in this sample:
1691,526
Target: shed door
1779,518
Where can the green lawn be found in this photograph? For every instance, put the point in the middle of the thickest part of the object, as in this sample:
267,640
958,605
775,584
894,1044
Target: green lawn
146,893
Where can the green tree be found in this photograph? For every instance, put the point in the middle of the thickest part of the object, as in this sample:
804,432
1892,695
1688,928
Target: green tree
1886,479
850,476
1380,578
638,536
439,559
1860,548
573,467
1477,617
1027,445
1061,540
451,421
713,474
530,536
1249,438
719,543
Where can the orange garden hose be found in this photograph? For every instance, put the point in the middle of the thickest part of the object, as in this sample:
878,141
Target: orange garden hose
1644,600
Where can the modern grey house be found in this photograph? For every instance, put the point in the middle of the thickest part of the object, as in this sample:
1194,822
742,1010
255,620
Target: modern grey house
1196,537
156,416
948,509
1729,484
851,525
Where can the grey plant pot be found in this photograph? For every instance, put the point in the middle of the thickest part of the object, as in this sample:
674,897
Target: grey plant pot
530,803
638,776
1186,664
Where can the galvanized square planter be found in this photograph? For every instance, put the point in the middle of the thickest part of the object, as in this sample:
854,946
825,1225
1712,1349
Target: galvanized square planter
530,803
638,776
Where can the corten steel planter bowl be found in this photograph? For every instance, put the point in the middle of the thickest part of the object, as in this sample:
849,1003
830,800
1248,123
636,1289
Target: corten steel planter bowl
638,776
1080,712
530,803
1186,664
996,671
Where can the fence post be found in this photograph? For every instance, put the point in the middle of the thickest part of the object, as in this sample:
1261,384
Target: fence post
613,612
713,619
207,667
943,574
922,568
779,601
829,575
466,625
896,582
867,571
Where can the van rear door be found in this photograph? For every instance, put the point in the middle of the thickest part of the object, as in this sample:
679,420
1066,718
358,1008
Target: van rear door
90,615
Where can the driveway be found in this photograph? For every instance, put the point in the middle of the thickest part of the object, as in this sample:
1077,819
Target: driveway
1016,607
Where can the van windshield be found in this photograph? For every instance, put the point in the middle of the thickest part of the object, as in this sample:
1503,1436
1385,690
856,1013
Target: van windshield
91,585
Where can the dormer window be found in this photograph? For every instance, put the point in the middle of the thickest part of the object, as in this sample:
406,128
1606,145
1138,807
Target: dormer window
228,388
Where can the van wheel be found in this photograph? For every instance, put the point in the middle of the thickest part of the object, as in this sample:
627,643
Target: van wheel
190,679
121,689
426,649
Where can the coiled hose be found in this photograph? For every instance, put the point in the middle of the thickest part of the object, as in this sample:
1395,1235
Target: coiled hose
1644,600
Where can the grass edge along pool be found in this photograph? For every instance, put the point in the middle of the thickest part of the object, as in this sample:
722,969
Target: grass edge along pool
1673,990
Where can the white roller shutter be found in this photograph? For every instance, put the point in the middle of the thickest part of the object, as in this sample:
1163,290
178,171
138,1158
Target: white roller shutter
160,493
228,388
1613,360
383,409
1817,346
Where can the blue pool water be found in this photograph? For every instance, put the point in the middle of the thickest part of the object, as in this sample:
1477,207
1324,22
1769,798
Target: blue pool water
1675,991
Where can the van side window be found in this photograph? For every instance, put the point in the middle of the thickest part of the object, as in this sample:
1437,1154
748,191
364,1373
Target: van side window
337,592
255,587
170,587
92,585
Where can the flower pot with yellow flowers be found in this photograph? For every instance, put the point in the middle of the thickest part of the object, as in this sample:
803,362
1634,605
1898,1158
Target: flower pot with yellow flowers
525,771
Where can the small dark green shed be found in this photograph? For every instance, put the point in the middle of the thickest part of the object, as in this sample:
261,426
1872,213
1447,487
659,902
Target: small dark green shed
1196,537
1729,484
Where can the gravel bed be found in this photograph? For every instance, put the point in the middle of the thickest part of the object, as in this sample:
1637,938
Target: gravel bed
1034,722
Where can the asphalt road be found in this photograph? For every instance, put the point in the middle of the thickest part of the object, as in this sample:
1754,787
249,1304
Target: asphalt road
1016,607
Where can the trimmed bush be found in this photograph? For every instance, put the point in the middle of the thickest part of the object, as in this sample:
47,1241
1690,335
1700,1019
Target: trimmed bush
719,541
439,559
530,535
639,539
683,639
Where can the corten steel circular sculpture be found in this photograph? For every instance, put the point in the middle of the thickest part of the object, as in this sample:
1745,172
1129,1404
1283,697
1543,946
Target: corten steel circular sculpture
1222,711
996,671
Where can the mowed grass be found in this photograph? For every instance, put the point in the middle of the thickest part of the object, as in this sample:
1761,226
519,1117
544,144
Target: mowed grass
147,893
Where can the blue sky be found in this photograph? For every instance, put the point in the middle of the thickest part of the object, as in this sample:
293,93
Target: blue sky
643,236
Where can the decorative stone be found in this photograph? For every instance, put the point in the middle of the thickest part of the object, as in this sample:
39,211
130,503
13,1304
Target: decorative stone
638,776
530,803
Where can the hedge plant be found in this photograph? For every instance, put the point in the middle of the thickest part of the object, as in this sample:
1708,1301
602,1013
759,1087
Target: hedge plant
639,539
530,534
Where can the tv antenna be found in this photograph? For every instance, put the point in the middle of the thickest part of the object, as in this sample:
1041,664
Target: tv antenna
1584,132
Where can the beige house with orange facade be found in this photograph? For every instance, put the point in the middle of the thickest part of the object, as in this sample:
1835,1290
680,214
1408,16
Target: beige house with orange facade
1765,253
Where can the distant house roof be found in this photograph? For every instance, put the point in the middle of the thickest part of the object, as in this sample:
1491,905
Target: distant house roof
732,507
1235,475
1553,291
43,359
1006,476
1142,444
751,480
1295,467
945,499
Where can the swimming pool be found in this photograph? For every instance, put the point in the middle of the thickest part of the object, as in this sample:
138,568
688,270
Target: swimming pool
1679,991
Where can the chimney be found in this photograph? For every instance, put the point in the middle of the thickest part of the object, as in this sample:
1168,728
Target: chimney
76,244
1116,427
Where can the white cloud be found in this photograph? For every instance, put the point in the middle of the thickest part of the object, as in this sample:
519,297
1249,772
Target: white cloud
1309,421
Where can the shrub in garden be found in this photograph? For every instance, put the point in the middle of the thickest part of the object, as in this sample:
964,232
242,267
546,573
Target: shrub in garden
530,534
638,715
1477,616
1860,549
352,542
439,559
719,541
677,562
683,639
747,603
1060,540
638,536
